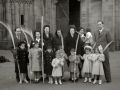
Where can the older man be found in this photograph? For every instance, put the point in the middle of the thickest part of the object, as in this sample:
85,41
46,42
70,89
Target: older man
103,37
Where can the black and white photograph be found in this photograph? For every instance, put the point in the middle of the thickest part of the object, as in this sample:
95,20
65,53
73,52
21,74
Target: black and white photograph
59,45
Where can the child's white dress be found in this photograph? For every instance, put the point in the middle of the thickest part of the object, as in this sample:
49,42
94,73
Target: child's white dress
87,65
98,65
57,67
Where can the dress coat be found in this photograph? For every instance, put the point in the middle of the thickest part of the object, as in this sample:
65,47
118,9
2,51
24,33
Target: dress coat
103,39
87,65
97,64
35,59
16,41
48,40
57,42
22,56
70,42
48,57
74,66
57,67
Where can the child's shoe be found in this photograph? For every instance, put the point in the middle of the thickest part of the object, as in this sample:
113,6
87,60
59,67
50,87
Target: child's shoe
56,82
95,81
20,82
85,80
100,81
25,81
90,80
51,82
72,80
60,82
76,80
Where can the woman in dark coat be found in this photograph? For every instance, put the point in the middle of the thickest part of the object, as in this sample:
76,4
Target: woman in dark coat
58,39
47,36
70,42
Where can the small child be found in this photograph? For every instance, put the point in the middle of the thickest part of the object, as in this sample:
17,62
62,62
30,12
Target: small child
97,59
73,67
87,65
88,38
22,56
35,60
48,57
57,64
64,56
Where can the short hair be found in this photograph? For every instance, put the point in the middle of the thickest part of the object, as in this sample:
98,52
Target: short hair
80,28
88,30
46,26
101,21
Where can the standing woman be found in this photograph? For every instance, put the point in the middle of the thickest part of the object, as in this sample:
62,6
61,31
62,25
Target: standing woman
47,36
37,37
59,43
70,42
57,40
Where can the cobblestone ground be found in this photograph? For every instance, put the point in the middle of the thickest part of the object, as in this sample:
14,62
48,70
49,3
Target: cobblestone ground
8,82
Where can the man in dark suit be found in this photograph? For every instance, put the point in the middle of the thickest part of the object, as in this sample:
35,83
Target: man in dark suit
103,37
17,38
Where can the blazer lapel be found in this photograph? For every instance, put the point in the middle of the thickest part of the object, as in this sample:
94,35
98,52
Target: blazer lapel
101,33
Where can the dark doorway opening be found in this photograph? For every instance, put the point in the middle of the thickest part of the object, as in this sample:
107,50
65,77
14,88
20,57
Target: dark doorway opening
74,13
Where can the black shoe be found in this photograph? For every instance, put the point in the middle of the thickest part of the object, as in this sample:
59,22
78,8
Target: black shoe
80,76
72,81
69,79
76,80
92,79
41,79
63,80
47,78
108,81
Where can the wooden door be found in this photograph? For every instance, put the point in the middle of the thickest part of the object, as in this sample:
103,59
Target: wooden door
62,16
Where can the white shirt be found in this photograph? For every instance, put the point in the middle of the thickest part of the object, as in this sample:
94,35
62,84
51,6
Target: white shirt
101,30
38,39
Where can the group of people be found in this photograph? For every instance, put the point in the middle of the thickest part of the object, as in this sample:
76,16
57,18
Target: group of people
79,52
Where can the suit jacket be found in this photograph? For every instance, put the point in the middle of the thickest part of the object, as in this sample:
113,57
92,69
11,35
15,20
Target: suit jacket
102,38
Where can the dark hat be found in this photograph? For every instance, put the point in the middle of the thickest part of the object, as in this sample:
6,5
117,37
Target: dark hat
49,47
20,43
34,42
72,50
72,26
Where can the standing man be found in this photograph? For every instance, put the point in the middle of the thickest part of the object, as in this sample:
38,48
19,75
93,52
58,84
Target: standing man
103,37
17,38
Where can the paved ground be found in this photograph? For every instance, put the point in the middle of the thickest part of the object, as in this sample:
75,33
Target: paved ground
8,82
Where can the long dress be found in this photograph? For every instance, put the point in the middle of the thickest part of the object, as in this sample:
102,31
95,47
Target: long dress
74,66
98,65
22,60
87,65
48,57
35,59
57,67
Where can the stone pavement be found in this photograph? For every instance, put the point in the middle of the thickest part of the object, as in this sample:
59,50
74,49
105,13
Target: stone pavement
8,82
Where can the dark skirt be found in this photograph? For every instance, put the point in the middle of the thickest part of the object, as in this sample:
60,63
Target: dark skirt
48,68
23,67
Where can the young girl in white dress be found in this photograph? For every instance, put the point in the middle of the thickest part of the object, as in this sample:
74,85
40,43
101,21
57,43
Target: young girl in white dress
97,59
87,65
57,64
